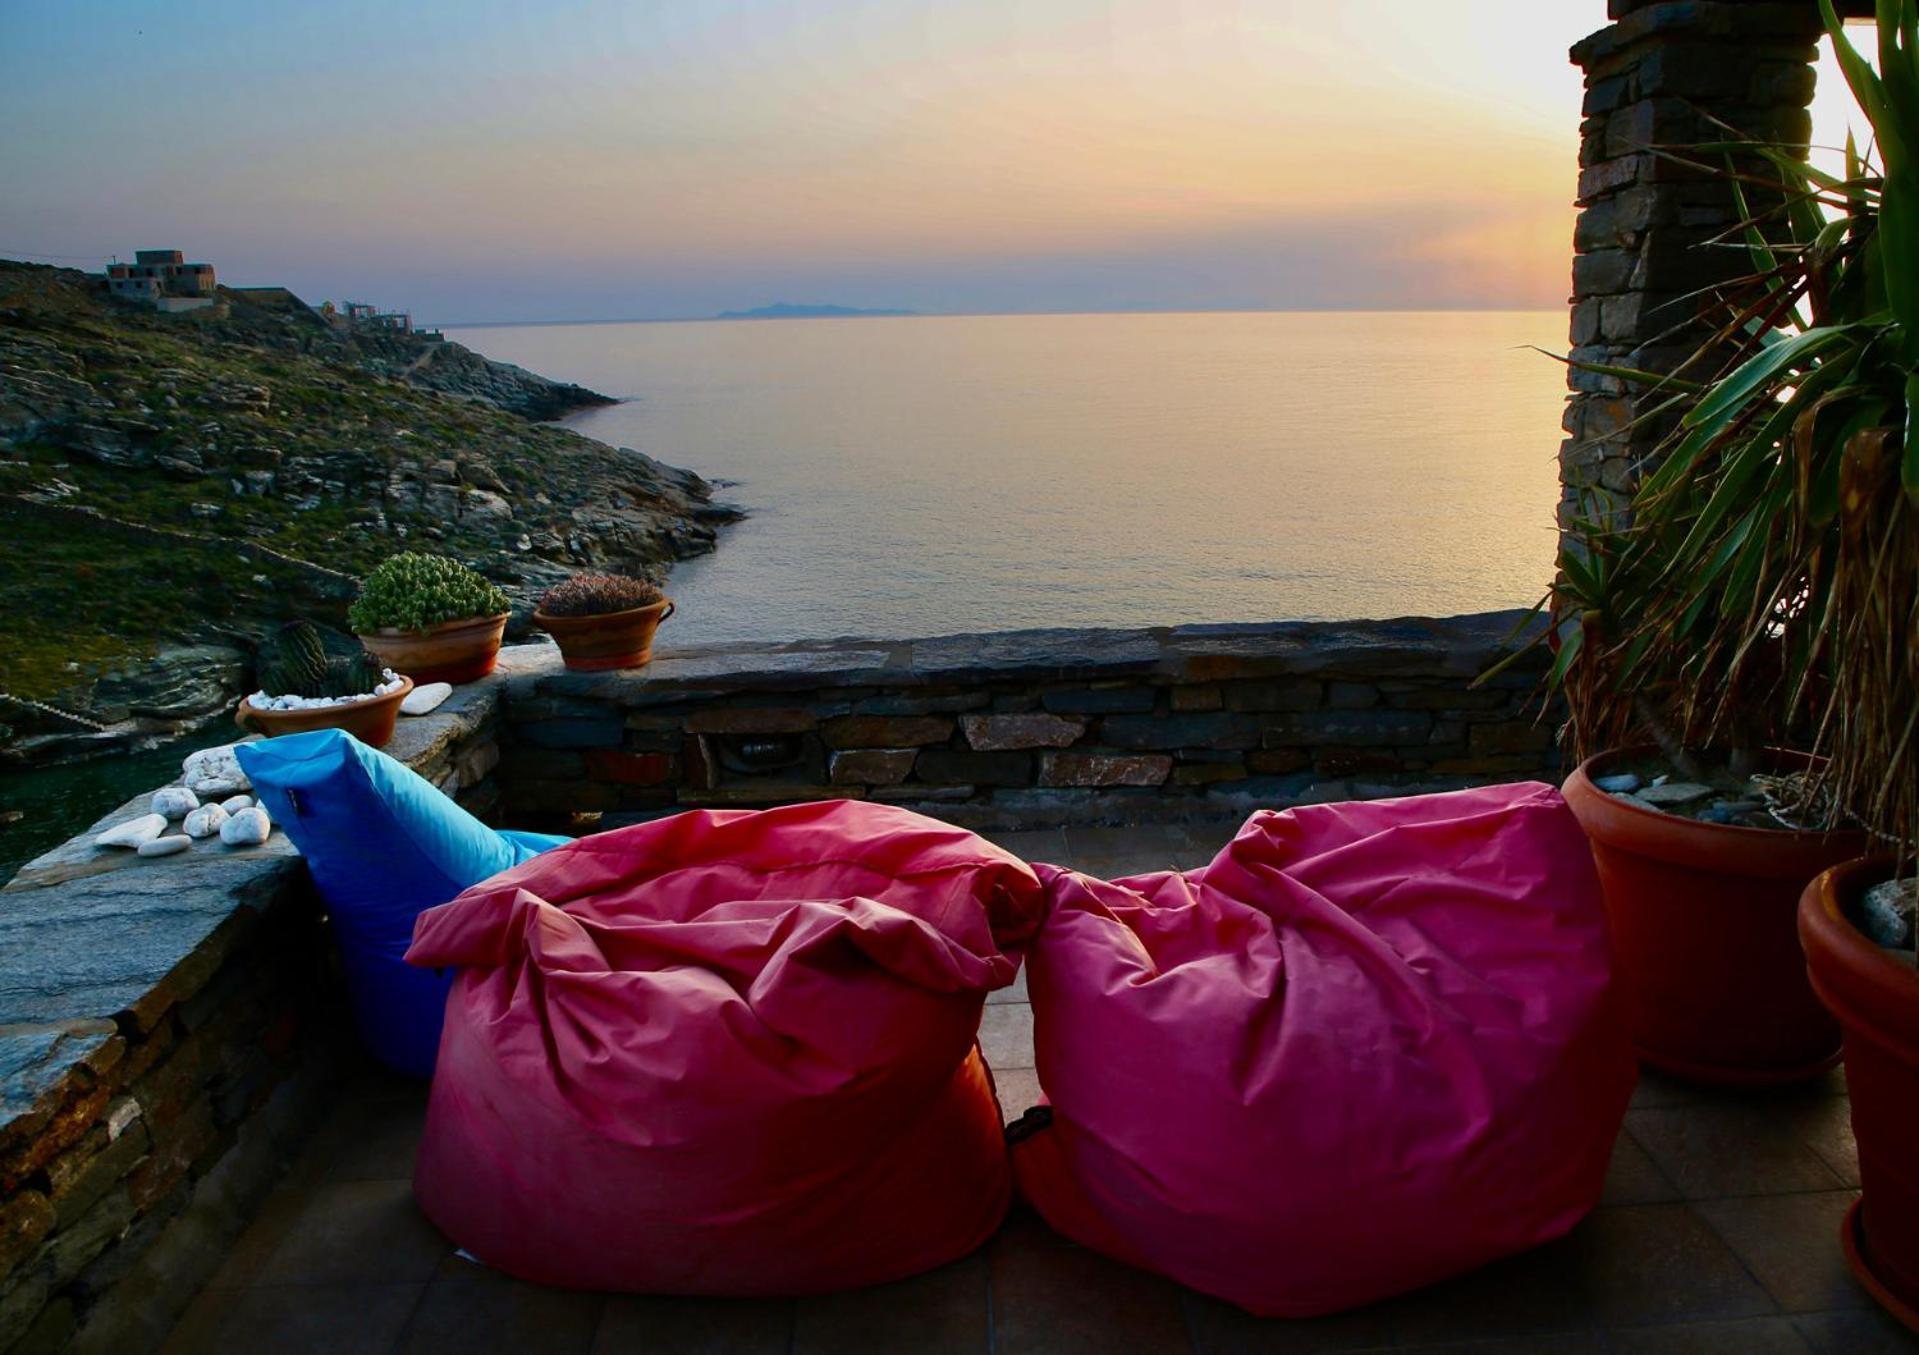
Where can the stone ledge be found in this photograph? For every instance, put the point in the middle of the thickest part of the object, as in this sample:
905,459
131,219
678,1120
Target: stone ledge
1459,646
95,940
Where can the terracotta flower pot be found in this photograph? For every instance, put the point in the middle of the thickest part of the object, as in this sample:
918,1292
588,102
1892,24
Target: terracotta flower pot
454,651
608,640
369,720
1702,925
1875,995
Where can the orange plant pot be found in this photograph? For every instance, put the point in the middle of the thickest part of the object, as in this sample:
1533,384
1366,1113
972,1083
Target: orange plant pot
608,640
1702,922
1875,996
371,721
454,651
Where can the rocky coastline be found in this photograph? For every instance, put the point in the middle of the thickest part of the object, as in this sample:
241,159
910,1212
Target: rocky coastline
174,486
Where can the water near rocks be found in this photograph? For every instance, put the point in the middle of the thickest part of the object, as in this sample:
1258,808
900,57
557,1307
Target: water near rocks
929,475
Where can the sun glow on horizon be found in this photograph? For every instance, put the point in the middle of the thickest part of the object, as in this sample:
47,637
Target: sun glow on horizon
478,161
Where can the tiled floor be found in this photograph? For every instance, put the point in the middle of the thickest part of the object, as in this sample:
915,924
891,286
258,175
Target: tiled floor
1718,1233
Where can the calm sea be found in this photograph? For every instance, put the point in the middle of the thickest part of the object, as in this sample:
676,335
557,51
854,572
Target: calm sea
926,475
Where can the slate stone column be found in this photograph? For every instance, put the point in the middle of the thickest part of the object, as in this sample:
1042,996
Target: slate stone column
1659,77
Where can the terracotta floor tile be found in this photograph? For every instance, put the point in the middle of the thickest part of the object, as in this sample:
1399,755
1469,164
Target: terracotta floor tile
1710,1151
1791,1242
634,1324
1633,1177
1557,1343
356,1231
1751,1336
1536,1292
1824,1124
1070,1301
943,1312
1652,1263
1019,1091
1221,1328
1868,1331
1012,992
1046,845
303,1319
478,1317
1006,1036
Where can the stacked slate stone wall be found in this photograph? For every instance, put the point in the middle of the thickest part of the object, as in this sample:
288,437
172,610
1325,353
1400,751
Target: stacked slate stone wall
170,1030
1666,76
1038,727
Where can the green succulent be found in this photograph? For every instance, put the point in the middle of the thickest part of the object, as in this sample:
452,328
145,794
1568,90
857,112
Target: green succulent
412,591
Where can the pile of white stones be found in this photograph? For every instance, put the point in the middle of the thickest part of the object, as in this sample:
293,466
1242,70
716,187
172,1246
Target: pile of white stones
238,819
390,682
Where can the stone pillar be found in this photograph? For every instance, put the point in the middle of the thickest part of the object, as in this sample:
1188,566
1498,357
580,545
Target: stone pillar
1659,77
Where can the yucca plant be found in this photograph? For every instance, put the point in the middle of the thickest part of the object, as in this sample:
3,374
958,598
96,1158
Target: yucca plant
1765,586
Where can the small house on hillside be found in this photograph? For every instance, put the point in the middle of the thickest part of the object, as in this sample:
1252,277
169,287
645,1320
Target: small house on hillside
162,278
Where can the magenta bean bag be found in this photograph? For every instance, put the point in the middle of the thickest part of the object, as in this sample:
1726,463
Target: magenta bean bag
725,1053
1370,1046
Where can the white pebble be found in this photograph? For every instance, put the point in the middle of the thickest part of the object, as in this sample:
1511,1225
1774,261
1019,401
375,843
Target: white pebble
166,846
204,821
249,828
174,802
133,832
235,803
421,700
214,772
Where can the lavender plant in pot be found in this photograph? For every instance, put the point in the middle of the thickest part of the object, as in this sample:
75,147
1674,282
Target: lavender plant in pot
1763,593
603,621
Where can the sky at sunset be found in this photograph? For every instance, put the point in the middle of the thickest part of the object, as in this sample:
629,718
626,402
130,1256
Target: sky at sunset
480,161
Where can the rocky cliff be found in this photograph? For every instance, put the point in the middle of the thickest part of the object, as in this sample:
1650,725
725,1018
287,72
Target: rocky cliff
173,485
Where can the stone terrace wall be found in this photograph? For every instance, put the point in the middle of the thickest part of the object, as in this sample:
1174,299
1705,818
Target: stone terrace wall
1033,727
169,1029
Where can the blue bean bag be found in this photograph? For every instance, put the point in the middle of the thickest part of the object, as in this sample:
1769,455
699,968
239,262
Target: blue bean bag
384,845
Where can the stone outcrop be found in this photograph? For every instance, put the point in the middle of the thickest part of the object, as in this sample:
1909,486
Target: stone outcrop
188,481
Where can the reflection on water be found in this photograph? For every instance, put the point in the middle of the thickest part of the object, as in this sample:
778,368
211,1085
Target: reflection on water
933,474
58,802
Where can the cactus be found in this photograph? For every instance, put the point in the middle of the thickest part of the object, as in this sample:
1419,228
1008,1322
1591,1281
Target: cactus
295,663
361,673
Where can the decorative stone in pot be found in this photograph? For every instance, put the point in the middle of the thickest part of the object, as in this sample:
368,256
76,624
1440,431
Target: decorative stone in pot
1704,940
431,618
370,719
1874,993
603,621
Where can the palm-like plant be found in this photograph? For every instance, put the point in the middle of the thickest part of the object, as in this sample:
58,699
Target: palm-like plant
1765,586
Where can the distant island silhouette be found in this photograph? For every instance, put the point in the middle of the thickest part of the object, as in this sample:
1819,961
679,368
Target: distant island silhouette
787,310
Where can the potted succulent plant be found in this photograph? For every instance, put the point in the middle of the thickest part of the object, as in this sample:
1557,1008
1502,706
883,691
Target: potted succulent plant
301,688
431,618
603,620
1765,592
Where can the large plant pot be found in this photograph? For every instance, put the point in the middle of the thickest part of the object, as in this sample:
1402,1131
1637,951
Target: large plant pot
609,640
1875,996
1702,920
455,651
370,721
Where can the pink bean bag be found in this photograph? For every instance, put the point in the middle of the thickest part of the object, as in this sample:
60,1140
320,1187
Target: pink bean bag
725,1053
1371,1045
